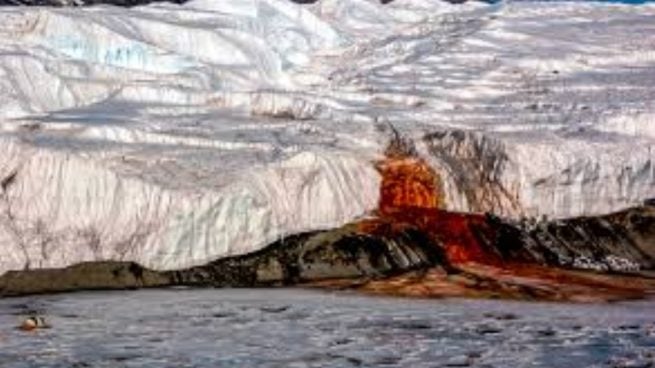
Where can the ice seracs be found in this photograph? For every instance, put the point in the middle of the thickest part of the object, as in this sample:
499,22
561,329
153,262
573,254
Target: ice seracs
175,135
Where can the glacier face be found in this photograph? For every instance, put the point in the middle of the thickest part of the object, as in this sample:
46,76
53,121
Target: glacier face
174,135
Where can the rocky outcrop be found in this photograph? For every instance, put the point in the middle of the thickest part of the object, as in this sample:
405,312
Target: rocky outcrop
586,259
84,276
348,252
621,242
446,255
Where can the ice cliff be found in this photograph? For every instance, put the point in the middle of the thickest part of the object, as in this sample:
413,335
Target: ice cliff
175,135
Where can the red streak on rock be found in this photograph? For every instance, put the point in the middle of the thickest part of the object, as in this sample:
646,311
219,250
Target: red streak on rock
411,198
410,194
464,237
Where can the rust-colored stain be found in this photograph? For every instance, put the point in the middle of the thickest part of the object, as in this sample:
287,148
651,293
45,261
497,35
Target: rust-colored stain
408,183
411,193
482,281
463,237
411,196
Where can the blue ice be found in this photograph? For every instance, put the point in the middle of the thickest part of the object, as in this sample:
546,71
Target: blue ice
132,55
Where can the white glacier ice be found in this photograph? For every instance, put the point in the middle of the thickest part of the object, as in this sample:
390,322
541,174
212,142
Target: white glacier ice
174,135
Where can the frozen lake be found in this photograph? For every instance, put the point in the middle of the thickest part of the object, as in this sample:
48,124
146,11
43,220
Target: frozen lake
296,328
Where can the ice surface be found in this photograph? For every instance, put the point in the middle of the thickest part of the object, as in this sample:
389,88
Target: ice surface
174,135
293,328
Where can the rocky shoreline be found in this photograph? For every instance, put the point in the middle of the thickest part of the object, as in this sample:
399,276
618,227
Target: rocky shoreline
583,259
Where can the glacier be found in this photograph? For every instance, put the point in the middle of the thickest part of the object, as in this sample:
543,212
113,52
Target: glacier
174,135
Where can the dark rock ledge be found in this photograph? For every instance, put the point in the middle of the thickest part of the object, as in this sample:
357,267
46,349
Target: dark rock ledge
340,253
620,244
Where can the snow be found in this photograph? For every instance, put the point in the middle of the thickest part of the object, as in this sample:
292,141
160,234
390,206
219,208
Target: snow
174,135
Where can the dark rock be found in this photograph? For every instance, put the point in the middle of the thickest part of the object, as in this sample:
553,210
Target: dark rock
341,253
223,315
548,332
628,327
501,316
620,242
84,276
343,341
337,254
415,325
488,330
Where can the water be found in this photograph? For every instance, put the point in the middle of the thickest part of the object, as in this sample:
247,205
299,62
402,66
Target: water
295,328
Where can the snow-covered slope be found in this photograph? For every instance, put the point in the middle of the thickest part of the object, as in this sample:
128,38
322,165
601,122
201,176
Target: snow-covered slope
174,135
